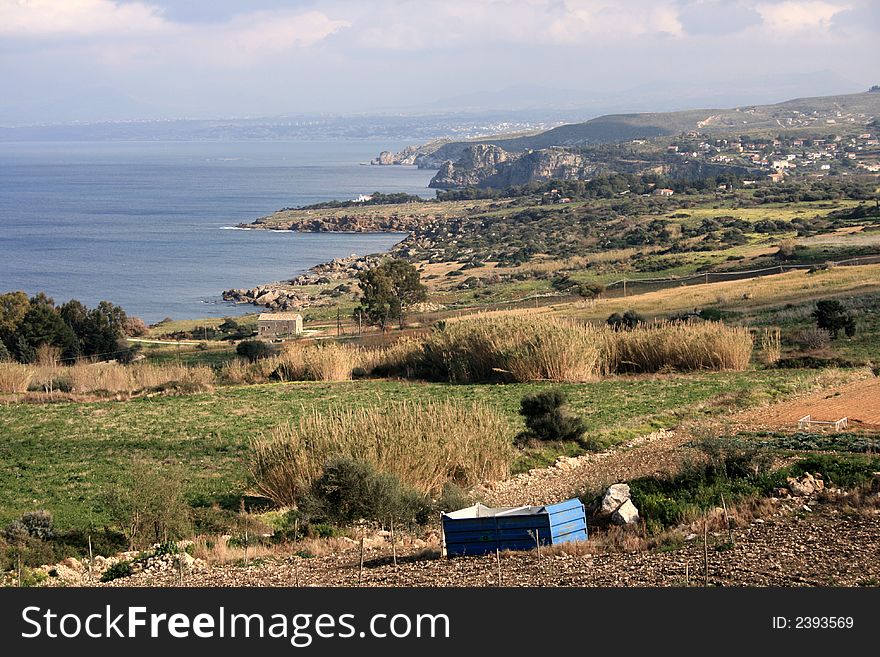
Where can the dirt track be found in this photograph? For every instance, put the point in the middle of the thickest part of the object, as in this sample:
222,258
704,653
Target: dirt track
858,401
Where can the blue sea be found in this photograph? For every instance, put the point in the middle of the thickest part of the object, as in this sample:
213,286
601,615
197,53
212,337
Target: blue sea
147,225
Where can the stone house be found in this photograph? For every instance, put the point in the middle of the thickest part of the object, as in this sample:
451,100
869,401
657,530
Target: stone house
279,325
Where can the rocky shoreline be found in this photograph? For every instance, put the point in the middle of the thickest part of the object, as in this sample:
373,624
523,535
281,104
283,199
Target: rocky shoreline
290,295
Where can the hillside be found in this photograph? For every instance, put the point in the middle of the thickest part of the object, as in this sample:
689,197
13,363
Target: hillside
793,114
639,143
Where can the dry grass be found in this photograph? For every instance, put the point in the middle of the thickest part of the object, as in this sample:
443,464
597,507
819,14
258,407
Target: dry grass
424,445
102,377
525,347
399,357
216,550
771,345
531,347
665,346
16,378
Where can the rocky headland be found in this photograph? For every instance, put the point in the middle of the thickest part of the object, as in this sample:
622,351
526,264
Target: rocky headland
293,295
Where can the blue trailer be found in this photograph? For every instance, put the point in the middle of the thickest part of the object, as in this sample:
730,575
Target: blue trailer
480,529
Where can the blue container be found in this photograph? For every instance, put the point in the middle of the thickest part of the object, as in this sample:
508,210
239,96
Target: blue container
481,529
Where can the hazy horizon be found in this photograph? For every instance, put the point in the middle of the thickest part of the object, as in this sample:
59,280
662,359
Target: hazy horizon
111,60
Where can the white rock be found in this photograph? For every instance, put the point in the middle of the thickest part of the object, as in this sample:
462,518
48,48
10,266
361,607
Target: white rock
614,498
626,514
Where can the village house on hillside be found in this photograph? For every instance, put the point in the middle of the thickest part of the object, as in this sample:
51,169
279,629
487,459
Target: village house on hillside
279,325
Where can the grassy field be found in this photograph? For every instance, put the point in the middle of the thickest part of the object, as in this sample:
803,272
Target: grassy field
62,456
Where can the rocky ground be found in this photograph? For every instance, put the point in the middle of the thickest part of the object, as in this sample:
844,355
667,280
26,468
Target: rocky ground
815,544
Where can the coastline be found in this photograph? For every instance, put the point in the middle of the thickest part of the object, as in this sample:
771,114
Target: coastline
292,294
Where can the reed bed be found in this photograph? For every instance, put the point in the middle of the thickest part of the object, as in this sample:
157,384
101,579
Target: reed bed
15,377
107,377
424,445
524,348
683,347
535,348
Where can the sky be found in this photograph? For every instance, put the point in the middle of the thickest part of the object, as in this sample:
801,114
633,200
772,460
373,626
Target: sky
67,60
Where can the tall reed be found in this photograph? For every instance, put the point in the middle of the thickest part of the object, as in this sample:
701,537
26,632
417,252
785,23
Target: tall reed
85,378
771,345
524,348
675,346
424,444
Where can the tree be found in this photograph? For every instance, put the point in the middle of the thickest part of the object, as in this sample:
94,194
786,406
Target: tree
253,350
786,250
589,290
831,316
13,308
387,290
99,330
42,324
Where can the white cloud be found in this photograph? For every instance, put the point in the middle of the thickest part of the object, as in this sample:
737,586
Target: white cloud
140,28
452,23
799,16
78,18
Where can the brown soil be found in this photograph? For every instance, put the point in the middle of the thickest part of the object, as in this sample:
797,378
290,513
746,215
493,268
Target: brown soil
858,401
829,545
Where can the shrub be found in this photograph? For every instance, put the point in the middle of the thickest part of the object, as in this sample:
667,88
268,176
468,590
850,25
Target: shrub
732,469
546,418
452,498
38,524
148,506
117,570
831,316
627,321
253,350
811,338
423,445
349,490
836,470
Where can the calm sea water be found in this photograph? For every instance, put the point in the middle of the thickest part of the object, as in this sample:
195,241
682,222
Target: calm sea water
146,224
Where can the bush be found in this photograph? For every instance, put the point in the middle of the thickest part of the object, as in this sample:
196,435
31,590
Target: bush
349,490
546,419
811,338
452,498
732,469
831,316
117,570
38,524
627,321
148,505
253,350
836,470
